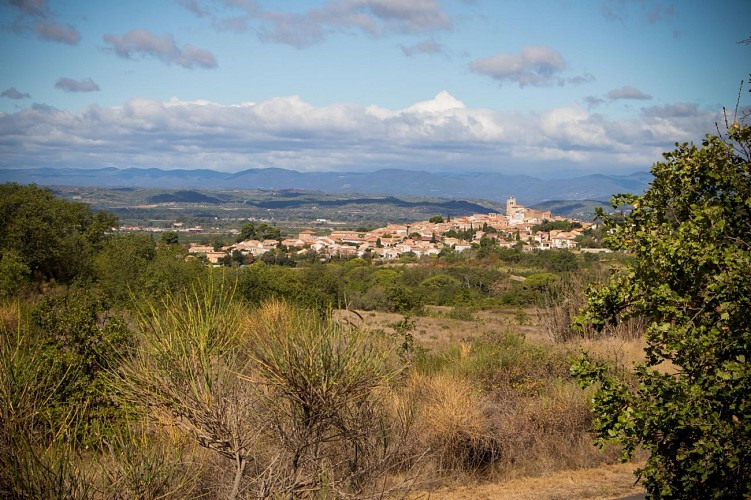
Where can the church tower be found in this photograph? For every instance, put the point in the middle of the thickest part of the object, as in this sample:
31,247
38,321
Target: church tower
510,206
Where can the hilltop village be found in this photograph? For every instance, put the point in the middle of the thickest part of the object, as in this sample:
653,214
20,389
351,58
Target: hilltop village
520,225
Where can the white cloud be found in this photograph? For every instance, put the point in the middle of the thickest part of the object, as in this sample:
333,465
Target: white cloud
165,48
439,133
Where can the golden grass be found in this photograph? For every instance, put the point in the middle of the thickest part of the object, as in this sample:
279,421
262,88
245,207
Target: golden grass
603,482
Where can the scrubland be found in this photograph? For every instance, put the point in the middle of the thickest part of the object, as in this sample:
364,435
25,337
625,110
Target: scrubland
210,397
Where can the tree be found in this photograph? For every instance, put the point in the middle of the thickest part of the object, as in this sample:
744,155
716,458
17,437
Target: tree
689,236
170,238
52,237
261,232
436,219
120,264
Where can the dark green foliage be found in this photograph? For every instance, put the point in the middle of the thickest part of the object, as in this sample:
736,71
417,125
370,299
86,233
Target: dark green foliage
441,289
14,273
690,277
260,282
170,238
436,219
169,271
260,232
120,264
81,343
561,225
53,238
37,459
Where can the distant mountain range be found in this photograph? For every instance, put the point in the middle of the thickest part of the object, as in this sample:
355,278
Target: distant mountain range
478,185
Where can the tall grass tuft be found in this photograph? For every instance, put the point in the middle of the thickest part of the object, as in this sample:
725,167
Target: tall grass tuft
185,369
324,386
562,303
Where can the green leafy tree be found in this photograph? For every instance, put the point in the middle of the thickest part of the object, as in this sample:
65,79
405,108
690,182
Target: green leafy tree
170,238
13,273
120,264
436,219
261,232
82,340
689,236
54,238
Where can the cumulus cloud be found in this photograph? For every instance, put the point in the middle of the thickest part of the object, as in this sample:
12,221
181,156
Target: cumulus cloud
12,93
71,85
627,92
302,29
440,133
537,66
56,32
144,43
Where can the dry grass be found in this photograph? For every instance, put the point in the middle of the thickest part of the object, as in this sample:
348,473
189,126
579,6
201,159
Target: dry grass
620,352
603,482
452,428
438,331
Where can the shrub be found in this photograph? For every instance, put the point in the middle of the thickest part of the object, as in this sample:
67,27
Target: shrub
322,386
185,369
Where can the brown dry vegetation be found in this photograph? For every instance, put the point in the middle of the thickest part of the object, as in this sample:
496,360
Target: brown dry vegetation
493,406
479,407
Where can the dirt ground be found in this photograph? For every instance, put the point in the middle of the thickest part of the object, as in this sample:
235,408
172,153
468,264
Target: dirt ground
605,482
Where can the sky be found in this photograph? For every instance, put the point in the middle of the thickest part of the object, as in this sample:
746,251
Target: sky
549,88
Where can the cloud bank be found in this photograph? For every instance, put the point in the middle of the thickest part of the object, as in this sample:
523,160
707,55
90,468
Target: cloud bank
439,134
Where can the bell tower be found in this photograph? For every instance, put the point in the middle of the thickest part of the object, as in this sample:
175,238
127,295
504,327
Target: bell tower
510,206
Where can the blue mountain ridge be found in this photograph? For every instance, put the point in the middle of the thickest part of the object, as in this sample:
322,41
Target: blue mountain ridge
395,182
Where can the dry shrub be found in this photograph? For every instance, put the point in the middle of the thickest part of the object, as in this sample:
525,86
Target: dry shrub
149,463
562,304
322,386
185,369
452,428
547,433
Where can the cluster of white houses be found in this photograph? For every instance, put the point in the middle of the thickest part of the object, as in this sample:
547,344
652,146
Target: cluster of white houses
418,238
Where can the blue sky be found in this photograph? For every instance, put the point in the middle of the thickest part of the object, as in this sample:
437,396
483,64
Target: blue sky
547,88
